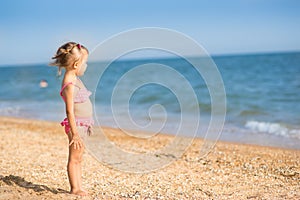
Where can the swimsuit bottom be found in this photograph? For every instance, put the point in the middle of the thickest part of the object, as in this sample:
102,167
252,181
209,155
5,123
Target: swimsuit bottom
85,122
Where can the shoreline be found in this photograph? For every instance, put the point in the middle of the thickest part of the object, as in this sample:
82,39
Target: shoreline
227,137
34,155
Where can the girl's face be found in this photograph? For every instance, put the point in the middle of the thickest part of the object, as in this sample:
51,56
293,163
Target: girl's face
82,68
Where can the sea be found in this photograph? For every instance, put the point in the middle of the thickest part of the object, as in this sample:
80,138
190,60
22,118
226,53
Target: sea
262,96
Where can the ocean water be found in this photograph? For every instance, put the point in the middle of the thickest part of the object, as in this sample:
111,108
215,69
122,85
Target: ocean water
262,95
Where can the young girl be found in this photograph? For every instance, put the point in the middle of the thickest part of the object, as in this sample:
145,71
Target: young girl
73,57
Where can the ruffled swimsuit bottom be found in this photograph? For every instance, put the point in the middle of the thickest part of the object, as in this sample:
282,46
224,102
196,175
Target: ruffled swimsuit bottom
85,122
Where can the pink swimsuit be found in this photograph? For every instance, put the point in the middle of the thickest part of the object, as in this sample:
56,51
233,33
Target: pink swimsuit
82,96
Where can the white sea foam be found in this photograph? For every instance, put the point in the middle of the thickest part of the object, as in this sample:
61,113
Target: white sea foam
273,128
10,111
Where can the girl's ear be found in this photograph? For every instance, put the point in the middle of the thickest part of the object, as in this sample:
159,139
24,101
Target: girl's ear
76,65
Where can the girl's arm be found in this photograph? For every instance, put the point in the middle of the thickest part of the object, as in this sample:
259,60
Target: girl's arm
68,94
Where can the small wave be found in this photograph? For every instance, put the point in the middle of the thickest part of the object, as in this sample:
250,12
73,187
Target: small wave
10,111
273,128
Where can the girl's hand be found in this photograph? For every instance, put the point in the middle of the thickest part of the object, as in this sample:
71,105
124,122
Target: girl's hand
76,141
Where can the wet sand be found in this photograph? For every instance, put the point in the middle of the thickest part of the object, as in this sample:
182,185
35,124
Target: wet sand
33,160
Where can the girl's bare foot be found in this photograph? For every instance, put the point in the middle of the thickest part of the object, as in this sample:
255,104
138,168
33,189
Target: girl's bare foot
80,192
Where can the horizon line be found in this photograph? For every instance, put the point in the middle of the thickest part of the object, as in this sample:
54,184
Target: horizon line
169,57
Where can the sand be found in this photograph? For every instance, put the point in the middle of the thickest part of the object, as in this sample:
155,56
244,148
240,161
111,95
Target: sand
34,154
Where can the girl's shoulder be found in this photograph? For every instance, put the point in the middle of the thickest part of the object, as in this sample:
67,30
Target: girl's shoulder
66,84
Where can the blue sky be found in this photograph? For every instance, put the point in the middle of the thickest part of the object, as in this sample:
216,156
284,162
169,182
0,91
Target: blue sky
32,30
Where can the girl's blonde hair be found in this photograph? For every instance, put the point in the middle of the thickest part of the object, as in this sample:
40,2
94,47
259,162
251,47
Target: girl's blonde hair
68,54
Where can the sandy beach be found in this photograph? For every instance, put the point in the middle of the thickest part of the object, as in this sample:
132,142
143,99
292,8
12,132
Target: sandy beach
33,160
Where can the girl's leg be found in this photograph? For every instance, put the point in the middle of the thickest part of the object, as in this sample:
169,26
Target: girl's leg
74,169
79,171
82,133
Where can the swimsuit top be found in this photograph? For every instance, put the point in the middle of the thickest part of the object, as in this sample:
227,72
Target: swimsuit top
82,95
